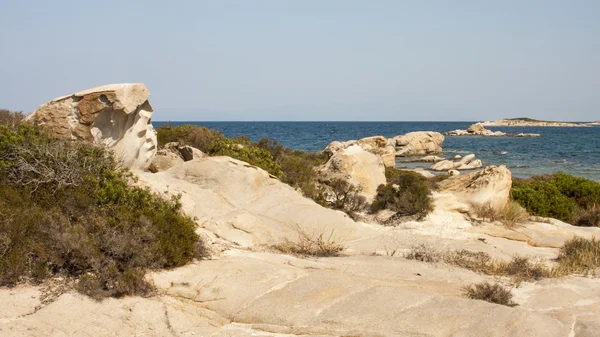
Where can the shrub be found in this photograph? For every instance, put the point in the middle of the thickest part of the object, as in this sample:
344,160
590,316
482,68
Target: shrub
10,118
311,245
407,193
196,136
66,209
559,196
250,154
345,197
578,255
589,217
493,293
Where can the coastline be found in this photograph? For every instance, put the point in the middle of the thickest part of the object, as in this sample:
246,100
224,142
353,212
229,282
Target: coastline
527,123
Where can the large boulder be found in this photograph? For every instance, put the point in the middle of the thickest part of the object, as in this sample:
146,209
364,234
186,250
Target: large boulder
116,116
418,143
359,167
489,187
377,145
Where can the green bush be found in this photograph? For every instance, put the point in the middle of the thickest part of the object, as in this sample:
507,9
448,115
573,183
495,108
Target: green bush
559,196
407,193
295,168
65,209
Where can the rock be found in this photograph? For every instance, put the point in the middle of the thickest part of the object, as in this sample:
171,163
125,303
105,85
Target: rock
453,172
490,186
527,135
116,116
457,157
377,145
426,159
466,163
373,142
476,128
358,167
190,153
164,160
418,143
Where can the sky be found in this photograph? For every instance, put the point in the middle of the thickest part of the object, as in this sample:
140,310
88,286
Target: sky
378,60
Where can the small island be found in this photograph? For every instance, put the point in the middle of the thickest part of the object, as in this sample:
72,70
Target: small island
525,121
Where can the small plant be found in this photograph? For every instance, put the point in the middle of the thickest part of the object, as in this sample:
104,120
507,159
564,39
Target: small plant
345,197
311,245
578,255
408,194
423,253
512,214
588,217
493,293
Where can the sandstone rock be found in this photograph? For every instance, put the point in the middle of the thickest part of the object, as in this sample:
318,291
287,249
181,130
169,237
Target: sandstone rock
164,160
426,159
358,167
373,142
457,157
476,128
488,187
466,163
116,116
453,172
377,145
418,143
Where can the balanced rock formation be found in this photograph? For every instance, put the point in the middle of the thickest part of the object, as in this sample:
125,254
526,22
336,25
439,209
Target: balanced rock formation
419,143
489,187
116,116
356,165
467,162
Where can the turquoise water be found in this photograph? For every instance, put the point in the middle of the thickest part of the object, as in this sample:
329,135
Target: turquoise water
572,150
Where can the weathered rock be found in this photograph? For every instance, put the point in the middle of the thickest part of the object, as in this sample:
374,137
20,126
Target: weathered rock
164,160
476,128
173,154
377,145
457,157
358,167
426,159
418,143
116,116
466,163
490,186
453,172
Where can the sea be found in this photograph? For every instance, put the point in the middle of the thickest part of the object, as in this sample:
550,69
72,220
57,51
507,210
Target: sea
572,150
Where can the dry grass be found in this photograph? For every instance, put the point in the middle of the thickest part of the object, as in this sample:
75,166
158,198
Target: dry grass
311,245
493,293
510,215
578,256
518,269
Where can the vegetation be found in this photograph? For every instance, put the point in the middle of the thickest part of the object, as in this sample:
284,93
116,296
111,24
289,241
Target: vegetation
10,118
562,196
67,210
510,215
493,293
296,168
578,256
345,197
311,245
406,193
519,268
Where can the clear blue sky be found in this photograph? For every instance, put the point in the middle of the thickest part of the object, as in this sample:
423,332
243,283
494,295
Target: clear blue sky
311,59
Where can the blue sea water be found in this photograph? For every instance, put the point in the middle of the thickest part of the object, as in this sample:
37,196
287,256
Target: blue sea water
572,150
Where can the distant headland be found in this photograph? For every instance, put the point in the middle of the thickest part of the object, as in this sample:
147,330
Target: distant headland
524,121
